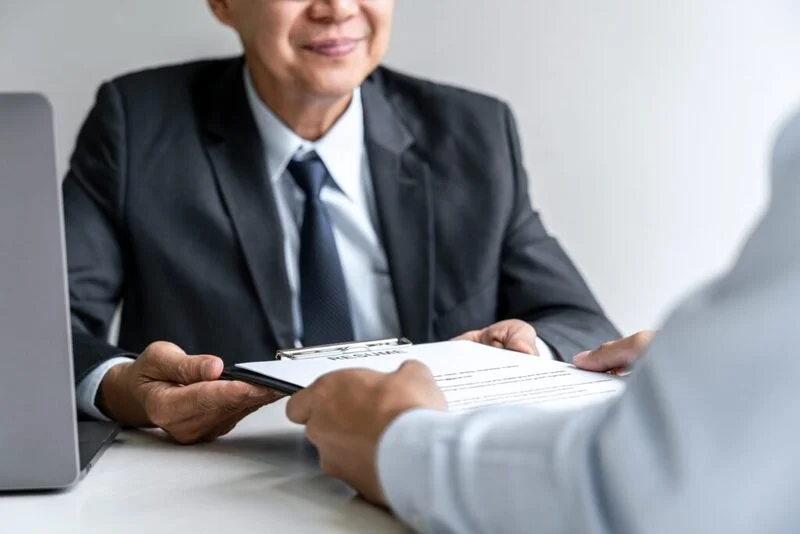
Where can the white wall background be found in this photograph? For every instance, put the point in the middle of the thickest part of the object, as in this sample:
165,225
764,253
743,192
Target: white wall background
645,123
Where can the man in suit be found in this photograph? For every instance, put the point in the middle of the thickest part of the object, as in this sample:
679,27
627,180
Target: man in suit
702,440
299,195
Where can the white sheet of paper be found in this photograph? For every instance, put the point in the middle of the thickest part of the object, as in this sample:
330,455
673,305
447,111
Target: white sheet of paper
470,375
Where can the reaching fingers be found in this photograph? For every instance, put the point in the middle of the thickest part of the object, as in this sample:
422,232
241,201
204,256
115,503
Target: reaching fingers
616,354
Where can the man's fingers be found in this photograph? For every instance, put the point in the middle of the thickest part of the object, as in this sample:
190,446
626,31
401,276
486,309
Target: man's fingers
522,339
300,405
231,396
194,369
417,385
605,357
614,355
160,359
205,411
414,369
512,335
472,335
168,362
524,346
195,401
493,336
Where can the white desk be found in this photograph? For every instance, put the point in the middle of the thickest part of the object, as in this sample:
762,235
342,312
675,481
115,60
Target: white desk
261,478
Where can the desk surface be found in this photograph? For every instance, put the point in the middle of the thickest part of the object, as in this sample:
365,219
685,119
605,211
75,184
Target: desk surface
263,477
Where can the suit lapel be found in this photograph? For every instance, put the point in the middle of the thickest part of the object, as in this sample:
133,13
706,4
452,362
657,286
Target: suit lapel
236,153
403,197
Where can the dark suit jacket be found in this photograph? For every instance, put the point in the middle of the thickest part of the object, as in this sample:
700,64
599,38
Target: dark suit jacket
168,209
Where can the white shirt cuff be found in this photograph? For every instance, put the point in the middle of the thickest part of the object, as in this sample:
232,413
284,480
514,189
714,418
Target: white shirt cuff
86,391
404,461
545,352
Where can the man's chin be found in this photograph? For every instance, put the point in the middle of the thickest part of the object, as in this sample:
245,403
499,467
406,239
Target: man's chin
335,82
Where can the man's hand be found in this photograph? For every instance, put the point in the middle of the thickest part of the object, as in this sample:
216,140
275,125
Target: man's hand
179,393
512,334
346,412
616,356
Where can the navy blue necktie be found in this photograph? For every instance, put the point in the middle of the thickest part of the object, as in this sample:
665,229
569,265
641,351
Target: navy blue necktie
323,292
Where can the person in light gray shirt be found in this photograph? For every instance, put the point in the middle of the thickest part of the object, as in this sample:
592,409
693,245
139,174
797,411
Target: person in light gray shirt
704,439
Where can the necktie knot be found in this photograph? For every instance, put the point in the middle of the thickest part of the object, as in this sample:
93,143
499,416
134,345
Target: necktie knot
309,174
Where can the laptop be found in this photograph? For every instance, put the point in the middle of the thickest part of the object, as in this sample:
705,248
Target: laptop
42,446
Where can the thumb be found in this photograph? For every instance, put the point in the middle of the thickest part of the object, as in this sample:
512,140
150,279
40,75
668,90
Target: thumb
472,335
524,345
512,335
414,368
168,362
522,340
614,355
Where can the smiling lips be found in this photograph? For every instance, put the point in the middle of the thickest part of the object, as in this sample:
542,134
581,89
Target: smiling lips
333,48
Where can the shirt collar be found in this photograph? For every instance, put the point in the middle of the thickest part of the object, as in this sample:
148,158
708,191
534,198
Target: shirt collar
340,149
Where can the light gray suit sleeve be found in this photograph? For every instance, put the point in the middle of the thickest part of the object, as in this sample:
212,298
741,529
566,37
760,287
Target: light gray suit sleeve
704,439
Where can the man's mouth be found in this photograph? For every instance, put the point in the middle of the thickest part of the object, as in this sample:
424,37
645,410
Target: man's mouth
333,47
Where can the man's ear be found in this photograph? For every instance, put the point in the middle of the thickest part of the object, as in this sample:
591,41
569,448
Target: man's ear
222,11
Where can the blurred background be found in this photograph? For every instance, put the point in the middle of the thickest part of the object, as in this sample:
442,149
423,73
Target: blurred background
645,124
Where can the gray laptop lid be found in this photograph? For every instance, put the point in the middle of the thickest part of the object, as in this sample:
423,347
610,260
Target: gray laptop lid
38,433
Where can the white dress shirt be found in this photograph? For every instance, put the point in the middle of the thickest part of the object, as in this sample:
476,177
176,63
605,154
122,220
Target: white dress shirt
350,200
704,439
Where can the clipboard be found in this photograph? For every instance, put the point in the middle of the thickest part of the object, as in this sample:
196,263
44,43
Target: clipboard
350,348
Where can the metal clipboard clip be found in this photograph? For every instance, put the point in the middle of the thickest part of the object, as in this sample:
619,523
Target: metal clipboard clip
339,349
